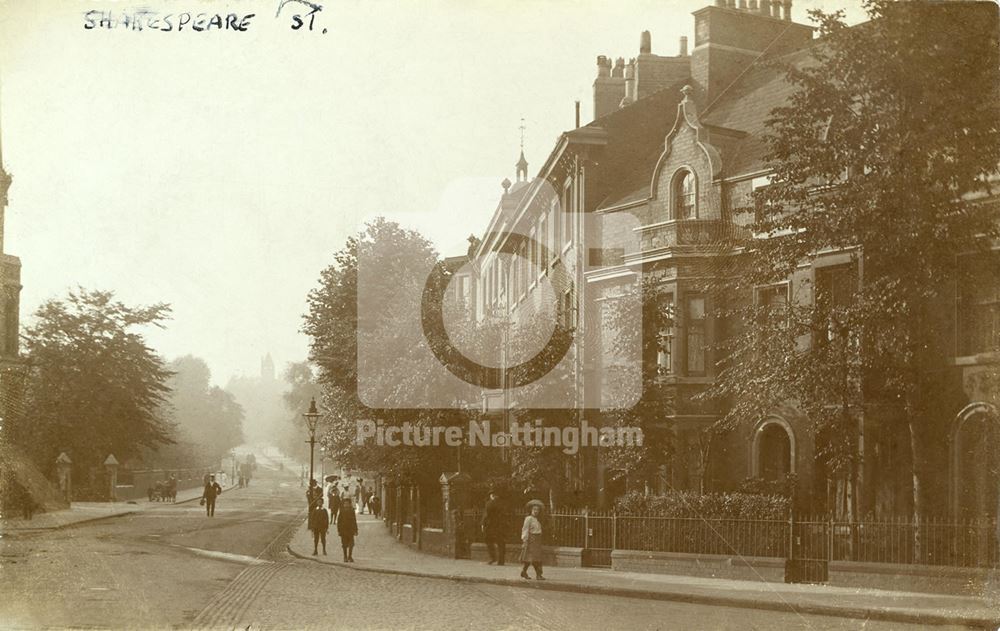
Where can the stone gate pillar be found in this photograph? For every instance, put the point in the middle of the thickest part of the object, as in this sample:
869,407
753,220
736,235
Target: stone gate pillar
64,469
455,503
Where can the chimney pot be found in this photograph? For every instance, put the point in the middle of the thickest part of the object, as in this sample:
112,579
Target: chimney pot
603,66
645,43
619,70
720,3
684,46
776,9
578,114
743,5
765,7
787,10
753,5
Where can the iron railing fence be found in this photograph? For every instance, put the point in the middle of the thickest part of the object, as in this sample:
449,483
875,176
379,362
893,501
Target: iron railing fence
934,541
737,537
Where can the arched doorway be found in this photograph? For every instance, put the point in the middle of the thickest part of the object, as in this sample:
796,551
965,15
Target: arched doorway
975,462
772,450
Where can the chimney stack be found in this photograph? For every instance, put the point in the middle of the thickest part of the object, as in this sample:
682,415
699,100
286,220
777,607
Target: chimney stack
645,43
577,114
629,83
609,86
743,5
684,46
714,62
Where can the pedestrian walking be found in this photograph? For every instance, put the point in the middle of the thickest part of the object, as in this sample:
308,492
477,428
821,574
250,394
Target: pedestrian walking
493,530
212,491
347,528
319,523
531,541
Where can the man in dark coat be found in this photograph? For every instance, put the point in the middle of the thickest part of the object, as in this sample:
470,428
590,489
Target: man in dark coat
212,491
493,530
347,528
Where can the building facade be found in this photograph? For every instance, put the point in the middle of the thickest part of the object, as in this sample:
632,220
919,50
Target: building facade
677,146
10,286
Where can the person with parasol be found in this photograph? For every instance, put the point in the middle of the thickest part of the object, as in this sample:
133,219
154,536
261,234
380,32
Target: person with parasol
531,540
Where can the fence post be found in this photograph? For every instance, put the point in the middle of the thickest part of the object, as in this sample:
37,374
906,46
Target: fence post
614,529
586,530
829,538
791,535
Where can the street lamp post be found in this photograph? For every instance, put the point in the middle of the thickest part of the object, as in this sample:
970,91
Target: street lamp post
312,418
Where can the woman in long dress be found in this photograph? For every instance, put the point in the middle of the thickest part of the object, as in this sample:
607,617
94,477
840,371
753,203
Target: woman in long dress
531,543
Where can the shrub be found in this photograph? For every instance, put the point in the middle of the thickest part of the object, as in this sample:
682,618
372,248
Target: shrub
707,505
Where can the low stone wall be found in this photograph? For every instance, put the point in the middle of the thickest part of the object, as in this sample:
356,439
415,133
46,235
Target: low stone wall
765,569
553,556
934,579
434,541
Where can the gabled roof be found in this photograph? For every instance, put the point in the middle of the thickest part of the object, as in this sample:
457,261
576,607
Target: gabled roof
746,106
637,133
736,124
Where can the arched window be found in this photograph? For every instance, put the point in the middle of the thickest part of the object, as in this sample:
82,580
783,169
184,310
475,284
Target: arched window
976,463
775,452
772,449
684,195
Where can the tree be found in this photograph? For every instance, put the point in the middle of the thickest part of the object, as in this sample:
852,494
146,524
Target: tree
208,419
394,265
302,387
95,388
648,342
891,129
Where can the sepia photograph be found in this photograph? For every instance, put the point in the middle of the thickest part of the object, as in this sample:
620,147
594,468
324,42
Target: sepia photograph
500,314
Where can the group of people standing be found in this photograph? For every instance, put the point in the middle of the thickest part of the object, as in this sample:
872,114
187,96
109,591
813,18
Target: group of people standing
494,527
339,510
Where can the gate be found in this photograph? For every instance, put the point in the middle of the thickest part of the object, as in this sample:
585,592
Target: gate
809,551
599,540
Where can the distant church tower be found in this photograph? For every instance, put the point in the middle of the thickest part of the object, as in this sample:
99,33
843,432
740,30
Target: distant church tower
267,368
10,283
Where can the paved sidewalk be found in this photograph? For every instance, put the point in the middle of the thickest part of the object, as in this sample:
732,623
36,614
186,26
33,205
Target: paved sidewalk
82,512
378,551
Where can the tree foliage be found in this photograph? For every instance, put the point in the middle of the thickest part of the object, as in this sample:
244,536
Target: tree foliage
94,387
207,419
880,152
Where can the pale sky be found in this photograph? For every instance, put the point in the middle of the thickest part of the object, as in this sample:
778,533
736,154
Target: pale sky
219,171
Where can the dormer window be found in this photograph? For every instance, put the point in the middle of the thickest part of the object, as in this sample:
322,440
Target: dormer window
684,195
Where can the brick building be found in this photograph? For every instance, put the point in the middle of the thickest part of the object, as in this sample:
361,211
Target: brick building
10,285
677,145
